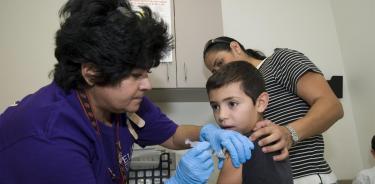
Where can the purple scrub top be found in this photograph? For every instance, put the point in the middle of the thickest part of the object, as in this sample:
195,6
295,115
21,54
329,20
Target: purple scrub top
47,138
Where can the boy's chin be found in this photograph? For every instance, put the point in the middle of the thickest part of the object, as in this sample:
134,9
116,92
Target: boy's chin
234,129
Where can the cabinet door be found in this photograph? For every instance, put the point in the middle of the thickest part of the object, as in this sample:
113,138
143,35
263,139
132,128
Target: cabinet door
196,21
164,76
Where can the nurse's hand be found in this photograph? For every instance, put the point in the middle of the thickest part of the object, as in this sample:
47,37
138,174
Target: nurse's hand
195,167
238,146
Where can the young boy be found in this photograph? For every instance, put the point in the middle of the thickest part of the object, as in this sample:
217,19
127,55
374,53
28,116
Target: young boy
367,176
238,98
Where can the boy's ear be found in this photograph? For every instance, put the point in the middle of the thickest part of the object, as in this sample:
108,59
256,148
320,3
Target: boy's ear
262,102
88,73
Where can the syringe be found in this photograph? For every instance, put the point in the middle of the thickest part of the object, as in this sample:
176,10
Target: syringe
219,154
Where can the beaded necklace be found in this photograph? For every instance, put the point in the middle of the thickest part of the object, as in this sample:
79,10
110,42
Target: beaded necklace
90,115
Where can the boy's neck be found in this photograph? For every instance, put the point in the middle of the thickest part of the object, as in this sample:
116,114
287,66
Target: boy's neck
248,133
251,131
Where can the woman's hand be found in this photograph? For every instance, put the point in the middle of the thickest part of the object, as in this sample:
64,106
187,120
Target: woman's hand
272,138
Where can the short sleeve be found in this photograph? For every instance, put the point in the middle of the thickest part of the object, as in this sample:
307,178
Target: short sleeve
262,169
158,127
289,65
362,178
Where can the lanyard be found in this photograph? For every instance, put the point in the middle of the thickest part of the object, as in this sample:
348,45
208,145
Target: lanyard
90,115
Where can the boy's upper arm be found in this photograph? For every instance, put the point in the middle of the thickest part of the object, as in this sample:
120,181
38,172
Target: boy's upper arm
229,174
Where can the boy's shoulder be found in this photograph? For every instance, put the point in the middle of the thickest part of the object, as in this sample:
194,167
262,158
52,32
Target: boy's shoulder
261,168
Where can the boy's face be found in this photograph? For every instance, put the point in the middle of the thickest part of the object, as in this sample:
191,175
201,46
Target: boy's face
233,109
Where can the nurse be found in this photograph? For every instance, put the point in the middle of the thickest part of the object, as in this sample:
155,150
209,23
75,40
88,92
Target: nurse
81,128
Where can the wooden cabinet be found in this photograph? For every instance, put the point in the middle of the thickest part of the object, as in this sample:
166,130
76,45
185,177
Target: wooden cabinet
194,22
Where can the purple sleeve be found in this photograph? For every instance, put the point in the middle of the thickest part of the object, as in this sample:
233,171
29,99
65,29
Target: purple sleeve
158,126
50,146
41,160
52,152
46,140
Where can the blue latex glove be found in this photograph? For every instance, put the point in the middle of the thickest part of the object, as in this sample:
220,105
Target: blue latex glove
195,167
239,146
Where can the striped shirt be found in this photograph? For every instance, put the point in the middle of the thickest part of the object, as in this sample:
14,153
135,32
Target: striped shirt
281,72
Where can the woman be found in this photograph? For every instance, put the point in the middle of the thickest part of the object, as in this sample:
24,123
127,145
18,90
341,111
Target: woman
301,105
81,128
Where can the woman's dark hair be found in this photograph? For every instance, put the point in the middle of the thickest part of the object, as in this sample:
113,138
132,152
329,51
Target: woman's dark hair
223,44
109,35
373,143
252,82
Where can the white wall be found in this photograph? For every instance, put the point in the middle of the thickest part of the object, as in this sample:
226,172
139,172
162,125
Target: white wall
355,22
307,26
27,31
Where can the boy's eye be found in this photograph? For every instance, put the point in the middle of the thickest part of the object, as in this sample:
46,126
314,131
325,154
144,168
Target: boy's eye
232,104
214,107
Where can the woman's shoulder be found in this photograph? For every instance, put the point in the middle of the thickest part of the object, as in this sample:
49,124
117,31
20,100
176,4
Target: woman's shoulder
45,113
283,54
286,51
286,58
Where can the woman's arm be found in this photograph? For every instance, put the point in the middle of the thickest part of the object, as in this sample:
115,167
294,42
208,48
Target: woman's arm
39,159
325,110
177,141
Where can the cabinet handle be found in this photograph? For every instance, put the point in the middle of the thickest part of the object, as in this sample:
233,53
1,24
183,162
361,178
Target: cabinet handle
185,71
167,72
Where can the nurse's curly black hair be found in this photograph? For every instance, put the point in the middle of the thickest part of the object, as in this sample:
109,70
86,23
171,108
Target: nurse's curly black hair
110,35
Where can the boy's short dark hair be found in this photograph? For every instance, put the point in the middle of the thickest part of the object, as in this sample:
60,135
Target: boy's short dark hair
373,143
112,37
252,82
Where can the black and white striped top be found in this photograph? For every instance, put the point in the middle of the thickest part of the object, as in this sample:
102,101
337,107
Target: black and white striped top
281,72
